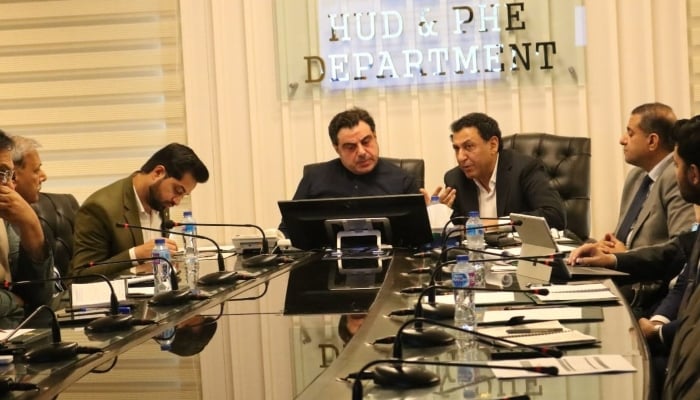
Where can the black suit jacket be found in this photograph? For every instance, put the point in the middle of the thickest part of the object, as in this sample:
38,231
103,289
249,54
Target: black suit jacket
683,376
522,186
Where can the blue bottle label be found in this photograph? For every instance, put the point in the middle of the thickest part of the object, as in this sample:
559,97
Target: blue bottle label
460,279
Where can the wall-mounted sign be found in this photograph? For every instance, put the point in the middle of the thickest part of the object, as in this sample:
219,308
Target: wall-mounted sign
370,43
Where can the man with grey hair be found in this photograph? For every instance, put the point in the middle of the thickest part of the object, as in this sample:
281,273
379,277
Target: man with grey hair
20,228
28,173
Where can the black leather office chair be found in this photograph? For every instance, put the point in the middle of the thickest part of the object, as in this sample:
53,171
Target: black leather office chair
568,164
413,166
56,212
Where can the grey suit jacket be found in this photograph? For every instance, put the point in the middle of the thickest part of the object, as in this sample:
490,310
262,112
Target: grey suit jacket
664,215
96,237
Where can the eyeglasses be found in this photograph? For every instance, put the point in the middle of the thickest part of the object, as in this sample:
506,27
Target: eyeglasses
6,175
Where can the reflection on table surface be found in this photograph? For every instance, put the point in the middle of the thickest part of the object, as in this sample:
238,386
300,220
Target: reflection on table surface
183,329
322,356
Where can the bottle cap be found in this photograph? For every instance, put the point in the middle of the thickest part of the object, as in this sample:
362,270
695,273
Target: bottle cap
462,258
187,214
434,199
160,241
473,214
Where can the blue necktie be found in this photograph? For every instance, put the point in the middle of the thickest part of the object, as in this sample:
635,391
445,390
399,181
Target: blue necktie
635,208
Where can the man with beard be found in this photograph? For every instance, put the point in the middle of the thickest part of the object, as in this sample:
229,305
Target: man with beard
141,199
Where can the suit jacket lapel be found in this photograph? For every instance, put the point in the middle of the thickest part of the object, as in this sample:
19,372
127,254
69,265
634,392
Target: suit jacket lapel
692,275
503,184
131,210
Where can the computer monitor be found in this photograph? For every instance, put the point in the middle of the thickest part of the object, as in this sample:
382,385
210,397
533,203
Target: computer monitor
306,225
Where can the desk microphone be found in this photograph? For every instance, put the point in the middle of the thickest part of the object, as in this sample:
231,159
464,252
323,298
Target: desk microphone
418,337
110,323
8,385
263,259
434,310
397,375
57,350
169,298
221,277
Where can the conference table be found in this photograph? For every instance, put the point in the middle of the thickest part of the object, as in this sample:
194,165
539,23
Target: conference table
617,334
320,294
52,378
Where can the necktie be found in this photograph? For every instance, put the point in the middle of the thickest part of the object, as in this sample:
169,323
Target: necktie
634,209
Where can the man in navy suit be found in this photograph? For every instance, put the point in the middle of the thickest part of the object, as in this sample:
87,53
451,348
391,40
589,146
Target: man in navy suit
497,181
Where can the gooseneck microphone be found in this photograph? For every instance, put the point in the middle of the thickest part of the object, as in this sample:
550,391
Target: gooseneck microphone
221,277
9,385
264,259
57,350
110,323
169,298
420,338
398,375
435,310
264,249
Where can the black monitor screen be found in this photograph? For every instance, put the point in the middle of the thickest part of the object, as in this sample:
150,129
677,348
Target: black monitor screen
305,220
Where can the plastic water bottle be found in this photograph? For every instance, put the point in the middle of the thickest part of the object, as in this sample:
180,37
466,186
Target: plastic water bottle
438,215
475,231
475,241
465,308
165,339
161,269
191,253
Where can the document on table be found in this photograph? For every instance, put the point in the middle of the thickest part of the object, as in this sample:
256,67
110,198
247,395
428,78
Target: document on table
549,333
96,293
567,365
481,298
543,313
576,292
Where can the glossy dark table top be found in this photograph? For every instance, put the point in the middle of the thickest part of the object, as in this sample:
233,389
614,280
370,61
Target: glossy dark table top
618,334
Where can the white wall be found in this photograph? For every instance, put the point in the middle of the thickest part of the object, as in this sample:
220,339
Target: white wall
256,139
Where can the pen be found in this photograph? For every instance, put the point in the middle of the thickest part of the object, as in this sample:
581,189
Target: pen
533,330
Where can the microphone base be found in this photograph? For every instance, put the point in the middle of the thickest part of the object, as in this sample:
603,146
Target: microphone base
404,377
110,323
422,338
438,311
53,352
171,298
219,278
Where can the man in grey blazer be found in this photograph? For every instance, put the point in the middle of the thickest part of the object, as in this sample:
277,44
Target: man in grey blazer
143,199
497,181
648,146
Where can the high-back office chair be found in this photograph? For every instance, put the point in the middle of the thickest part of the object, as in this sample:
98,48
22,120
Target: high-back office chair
56,212
413,166
567,161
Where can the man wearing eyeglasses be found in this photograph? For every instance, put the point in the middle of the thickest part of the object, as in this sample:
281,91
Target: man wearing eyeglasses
34,260
142,199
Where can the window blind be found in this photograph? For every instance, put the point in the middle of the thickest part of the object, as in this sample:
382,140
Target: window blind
97,82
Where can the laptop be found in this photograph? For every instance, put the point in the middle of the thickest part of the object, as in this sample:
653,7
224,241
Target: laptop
537,241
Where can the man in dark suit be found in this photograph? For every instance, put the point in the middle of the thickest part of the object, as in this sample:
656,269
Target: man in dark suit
497,181
683,374
143,199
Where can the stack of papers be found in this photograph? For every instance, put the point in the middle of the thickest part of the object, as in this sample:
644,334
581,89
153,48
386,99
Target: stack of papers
576,292
482,298
550,333
567,365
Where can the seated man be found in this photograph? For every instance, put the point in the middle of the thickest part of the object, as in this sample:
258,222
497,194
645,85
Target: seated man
497,181
666,260
21,230
358,170
660,213
142,199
